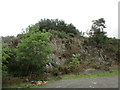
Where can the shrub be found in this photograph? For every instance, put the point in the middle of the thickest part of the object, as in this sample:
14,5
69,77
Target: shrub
64,69
75,60
58,33
32,53
56,72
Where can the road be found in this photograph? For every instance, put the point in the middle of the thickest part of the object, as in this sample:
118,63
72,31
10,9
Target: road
99,82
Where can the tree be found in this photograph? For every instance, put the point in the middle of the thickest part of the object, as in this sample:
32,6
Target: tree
97,34
8,55
58,25
12,41
97,37
7,39
32,52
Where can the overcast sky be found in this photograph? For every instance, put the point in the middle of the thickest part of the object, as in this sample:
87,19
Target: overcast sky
16,15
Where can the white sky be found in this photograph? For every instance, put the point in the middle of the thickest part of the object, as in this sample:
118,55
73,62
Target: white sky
16,15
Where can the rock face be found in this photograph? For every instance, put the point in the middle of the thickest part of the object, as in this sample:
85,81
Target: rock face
57,43
65,48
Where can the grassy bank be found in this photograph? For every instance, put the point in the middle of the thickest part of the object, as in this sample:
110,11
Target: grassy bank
113,72
91,75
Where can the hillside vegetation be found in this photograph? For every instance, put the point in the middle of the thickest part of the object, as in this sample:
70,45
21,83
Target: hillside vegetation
52,48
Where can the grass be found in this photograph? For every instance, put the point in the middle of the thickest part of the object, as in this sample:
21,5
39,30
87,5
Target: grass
91,75
25,85
113,72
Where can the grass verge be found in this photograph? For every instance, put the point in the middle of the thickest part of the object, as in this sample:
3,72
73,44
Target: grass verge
91,75
65,77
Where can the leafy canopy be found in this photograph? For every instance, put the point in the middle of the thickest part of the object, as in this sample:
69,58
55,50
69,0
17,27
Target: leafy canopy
51,24
97,33
33,51
8,55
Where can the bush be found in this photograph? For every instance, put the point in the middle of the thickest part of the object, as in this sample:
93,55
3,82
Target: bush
8,56
56,72
58,25
32,53
64,69
75,60
58,33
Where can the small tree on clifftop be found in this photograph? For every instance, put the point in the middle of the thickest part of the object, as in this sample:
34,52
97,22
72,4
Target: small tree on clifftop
97,34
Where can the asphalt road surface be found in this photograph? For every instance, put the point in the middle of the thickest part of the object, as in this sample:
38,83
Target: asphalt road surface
99,82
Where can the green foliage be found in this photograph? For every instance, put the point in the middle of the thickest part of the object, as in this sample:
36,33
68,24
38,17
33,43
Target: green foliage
91,75
71,34
51,24
8,39
75,60
58,33
71,47
8,56
29,52
61,70
12,41
68,43
33,51
97,35
112,45
56,72
64,69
